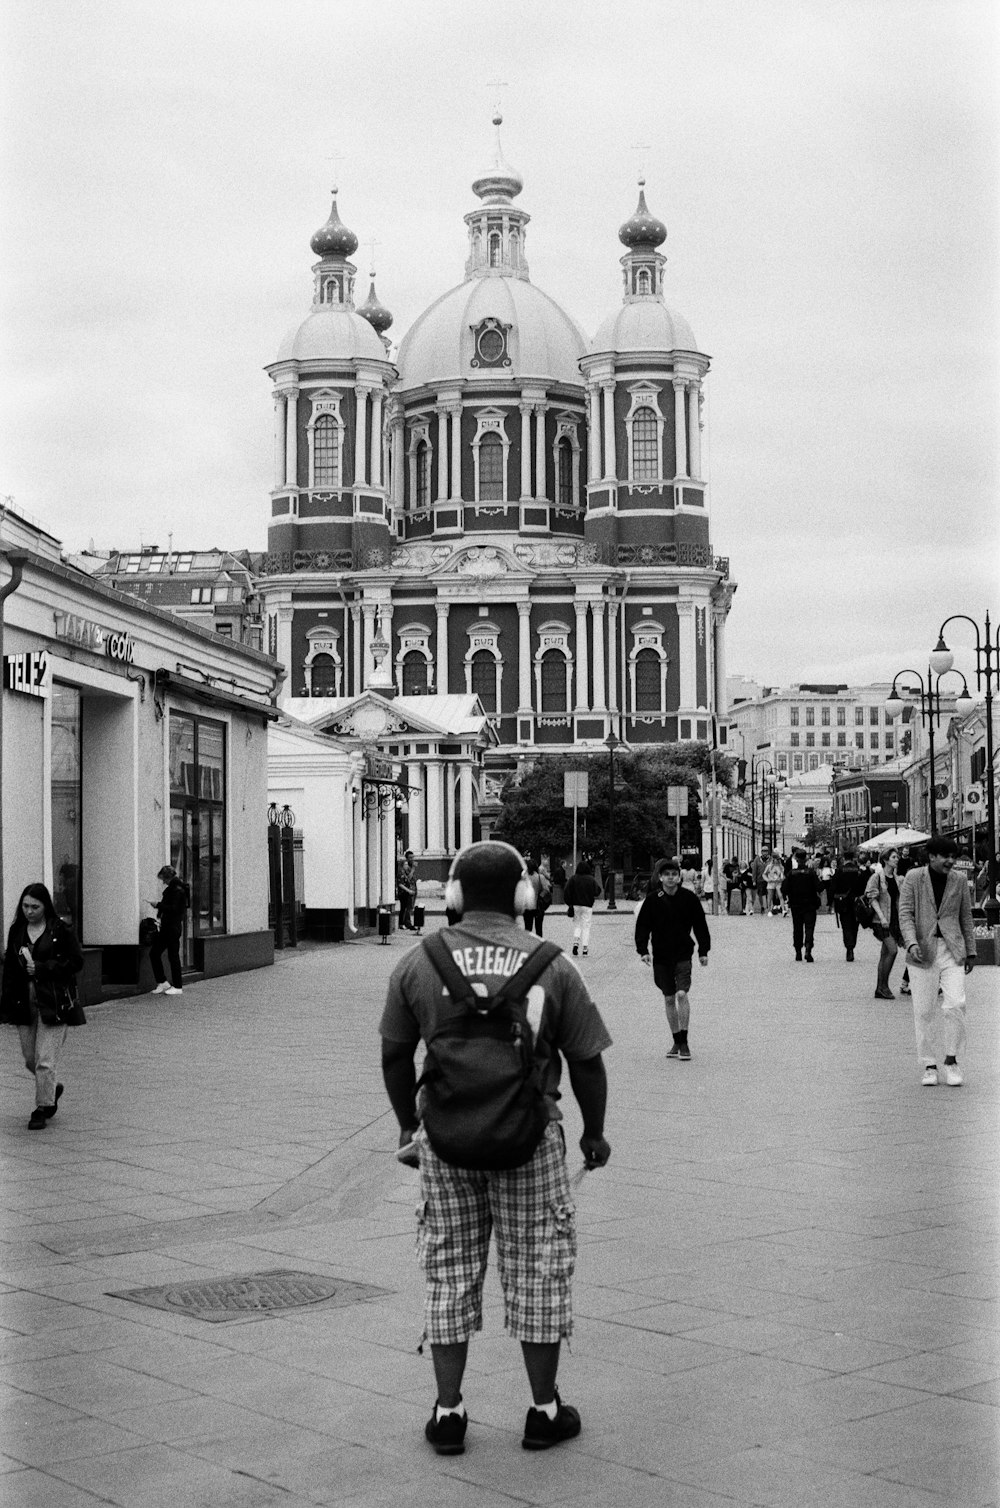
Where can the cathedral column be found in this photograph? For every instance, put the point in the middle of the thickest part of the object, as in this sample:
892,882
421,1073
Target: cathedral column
360,439
721,707
680,428
435,826
694,425
449,808
442,455
524,657
686,653
465,805
369,609
376,460
540,491
594,434
613,606
397,462
385,628
525,451
284,614
279,440
456,454
597,608
610,458
582,658
416,777
441,657
292,437
359,664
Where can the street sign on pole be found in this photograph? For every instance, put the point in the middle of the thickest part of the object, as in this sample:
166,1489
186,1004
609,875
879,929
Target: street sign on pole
677,800
975,799
576,793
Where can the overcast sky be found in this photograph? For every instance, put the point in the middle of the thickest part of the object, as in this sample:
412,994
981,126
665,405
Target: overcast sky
827,171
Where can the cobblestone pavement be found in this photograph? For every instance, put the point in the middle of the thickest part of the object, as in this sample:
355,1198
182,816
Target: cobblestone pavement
786,1291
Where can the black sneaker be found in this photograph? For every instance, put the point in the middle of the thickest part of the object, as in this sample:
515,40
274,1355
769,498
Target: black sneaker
50,1110
541,1432
684,1054
674,1052
447,1435
39,1118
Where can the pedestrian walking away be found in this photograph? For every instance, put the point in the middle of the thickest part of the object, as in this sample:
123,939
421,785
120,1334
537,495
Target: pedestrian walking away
882,892
485,1126
847,884
935,921
38,994
667,919
539,900
406,890
800,888
171,909
582,891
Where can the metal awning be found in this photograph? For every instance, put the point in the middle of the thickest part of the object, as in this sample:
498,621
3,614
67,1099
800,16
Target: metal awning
213,696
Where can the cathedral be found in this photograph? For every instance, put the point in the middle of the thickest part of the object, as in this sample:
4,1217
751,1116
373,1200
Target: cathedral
506,511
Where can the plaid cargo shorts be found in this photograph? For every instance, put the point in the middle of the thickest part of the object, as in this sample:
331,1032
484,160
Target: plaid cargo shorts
534,1218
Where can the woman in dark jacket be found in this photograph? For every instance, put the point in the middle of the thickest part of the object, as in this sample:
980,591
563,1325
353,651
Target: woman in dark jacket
581,893
847,884
171,909
38,994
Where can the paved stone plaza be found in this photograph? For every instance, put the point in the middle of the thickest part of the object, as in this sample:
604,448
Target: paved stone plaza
786,1291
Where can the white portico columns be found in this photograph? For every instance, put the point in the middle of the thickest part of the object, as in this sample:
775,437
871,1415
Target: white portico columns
387,857
465,805
582,659
694,428
721,707
680,427
594,434
540,492
416,778
597,609
360,440
449,808
442,453
376,447
359,663
279,440
524,657
284,612
441,656
369,609
525,409
686,653
397,461
610,457
435,812
456,453
291,437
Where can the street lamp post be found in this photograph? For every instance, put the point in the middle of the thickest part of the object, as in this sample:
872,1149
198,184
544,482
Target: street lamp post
987,668
611,743
930,716
762,765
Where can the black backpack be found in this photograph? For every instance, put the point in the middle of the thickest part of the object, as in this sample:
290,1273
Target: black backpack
483,1103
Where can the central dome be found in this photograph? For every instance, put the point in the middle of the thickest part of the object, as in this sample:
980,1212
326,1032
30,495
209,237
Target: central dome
543,342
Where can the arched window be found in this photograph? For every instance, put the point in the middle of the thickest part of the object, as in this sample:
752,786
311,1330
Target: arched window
565,493
642,280
326,448
645,446
496,249
423,474
647,681
484,679
414,675
553,681
491,467
324,676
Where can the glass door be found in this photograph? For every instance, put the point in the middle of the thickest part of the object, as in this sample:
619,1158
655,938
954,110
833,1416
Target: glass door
67,797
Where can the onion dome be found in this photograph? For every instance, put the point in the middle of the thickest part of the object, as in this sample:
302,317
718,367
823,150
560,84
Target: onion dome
500,181
334,239
377,315
642,228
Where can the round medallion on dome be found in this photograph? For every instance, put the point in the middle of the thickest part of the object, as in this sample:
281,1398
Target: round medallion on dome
334,239
377,315
642,228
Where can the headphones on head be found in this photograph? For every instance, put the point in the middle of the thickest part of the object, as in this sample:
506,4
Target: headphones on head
454,898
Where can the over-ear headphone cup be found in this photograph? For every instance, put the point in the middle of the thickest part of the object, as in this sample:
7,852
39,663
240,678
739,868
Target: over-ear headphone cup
522,896
453,897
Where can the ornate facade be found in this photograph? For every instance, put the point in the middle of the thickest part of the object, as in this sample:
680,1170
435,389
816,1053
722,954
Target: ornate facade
506,509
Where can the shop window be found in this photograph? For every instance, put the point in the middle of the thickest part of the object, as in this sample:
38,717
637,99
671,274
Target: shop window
645,446
491,468
484,679
415,675
67,799
553,682
197,815
324,675
647,681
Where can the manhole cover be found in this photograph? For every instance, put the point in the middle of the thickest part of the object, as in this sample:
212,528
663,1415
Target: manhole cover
250,1295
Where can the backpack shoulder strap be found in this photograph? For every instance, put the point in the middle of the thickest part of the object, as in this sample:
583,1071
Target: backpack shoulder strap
447,970
530,971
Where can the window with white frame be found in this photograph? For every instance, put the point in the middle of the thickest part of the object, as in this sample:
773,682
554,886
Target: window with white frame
553,678
414,661
564,473
419,455
414,674
566,461
644,434
323,434
484,664
491,468
553,671
323,668
647,681
648,669
490,454
484,679
797,763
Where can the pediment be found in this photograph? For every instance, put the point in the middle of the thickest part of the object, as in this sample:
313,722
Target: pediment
370,718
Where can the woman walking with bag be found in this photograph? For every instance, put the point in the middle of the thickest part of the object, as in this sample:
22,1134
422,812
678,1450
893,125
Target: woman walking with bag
39,993
882,891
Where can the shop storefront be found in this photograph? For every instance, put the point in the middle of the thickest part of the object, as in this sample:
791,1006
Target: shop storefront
131,739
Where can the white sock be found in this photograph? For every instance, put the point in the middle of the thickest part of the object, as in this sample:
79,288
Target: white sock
550,1410
441,1413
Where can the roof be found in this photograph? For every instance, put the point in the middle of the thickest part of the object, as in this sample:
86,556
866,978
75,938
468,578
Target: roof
453,716
332,335
644,325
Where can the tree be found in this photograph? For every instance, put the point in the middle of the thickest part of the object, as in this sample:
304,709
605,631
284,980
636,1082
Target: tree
819,834
535,820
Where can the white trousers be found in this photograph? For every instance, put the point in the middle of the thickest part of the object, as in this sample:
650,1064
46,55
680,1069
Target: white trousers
938,1023
582,917
40,1045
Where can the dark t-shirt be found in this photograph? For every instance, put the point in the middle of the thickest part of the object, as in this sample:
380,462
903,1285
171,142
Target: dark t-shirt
489,949
938,884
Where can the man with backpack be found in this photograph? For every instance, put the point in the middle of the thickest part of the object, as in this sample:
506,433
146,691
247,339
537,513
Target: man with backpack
497,1009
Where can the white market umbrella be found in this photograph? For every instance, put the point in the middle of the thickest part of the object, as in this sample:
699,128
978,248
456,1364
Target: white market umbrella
899,837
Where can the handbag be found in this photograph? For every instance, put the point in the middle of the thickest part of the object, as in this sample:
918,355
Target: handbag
70,1009
865,912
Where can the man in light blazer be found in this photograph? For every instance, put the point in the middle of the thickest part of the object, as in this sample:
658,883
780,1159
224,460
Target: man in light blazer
935,918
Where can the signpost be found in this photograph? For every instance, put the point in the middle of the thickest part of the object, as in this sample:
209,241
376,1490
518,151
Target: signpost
677,807
576,793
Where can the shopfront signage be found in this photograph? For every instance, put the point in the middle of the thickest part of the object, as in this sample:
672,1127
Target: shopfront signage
378,769
29,673
88,635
